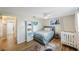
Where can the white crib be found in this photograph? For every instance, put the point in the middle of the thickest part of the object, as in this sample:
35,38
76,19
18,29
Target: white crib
69,38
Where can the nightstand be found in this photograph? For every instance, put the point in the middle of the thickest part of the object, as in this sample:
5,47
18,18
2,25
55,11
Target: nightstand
57,36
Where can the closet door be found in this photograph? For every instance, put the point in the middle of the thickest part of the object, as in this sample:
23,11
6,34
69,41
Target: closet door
1,34
10,34
10,28
1,29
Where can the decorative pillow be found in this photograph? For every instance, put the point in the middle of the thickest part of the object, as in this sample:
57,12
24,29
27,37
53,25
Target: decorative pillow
47,29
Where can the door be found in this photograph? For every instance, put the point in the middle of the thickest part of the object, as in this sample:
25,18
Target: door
1,33
1,29
10,28
7,32
10,34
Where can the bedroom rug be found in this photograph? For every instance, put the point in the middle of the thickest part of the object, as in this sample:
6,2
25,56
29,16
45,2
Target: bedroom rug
50,47
35,46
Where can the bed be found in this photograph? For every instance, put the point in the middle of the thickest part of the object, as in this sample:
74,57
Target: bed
43,36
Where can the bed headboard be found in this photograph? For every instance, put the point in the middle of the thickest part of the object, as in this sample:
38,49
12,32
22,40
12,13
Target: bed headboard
49,28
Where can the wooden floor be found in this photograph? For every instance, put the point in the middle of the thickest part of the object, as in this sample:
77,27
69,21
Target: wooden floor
62,46
10,45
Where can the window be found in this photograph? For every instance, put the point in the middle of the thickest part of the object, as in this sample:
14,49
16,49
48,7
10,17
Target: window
78,21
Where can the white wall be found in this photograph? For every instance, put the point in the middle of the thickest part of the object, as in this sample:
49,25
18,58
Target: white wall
39,26
20,29
68,23
45,22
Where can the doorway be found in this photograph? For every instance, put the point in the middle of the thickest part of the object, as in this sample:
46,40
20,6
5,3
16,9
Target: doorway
7,33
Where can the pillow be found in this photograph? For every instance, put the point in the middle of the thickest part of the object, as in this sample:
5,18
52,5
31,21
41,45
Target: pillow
47,29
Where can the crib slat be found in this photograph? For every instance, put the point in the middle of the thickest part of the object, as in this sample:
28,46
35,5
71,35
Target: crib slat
68,38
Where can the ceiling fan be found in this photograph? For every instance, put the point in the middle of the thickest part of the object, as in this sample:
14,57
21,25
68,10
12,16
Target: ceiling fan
48,15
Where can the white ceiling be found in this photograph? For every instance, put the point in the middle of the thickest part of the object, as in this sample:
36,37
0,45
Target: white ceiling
39,11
